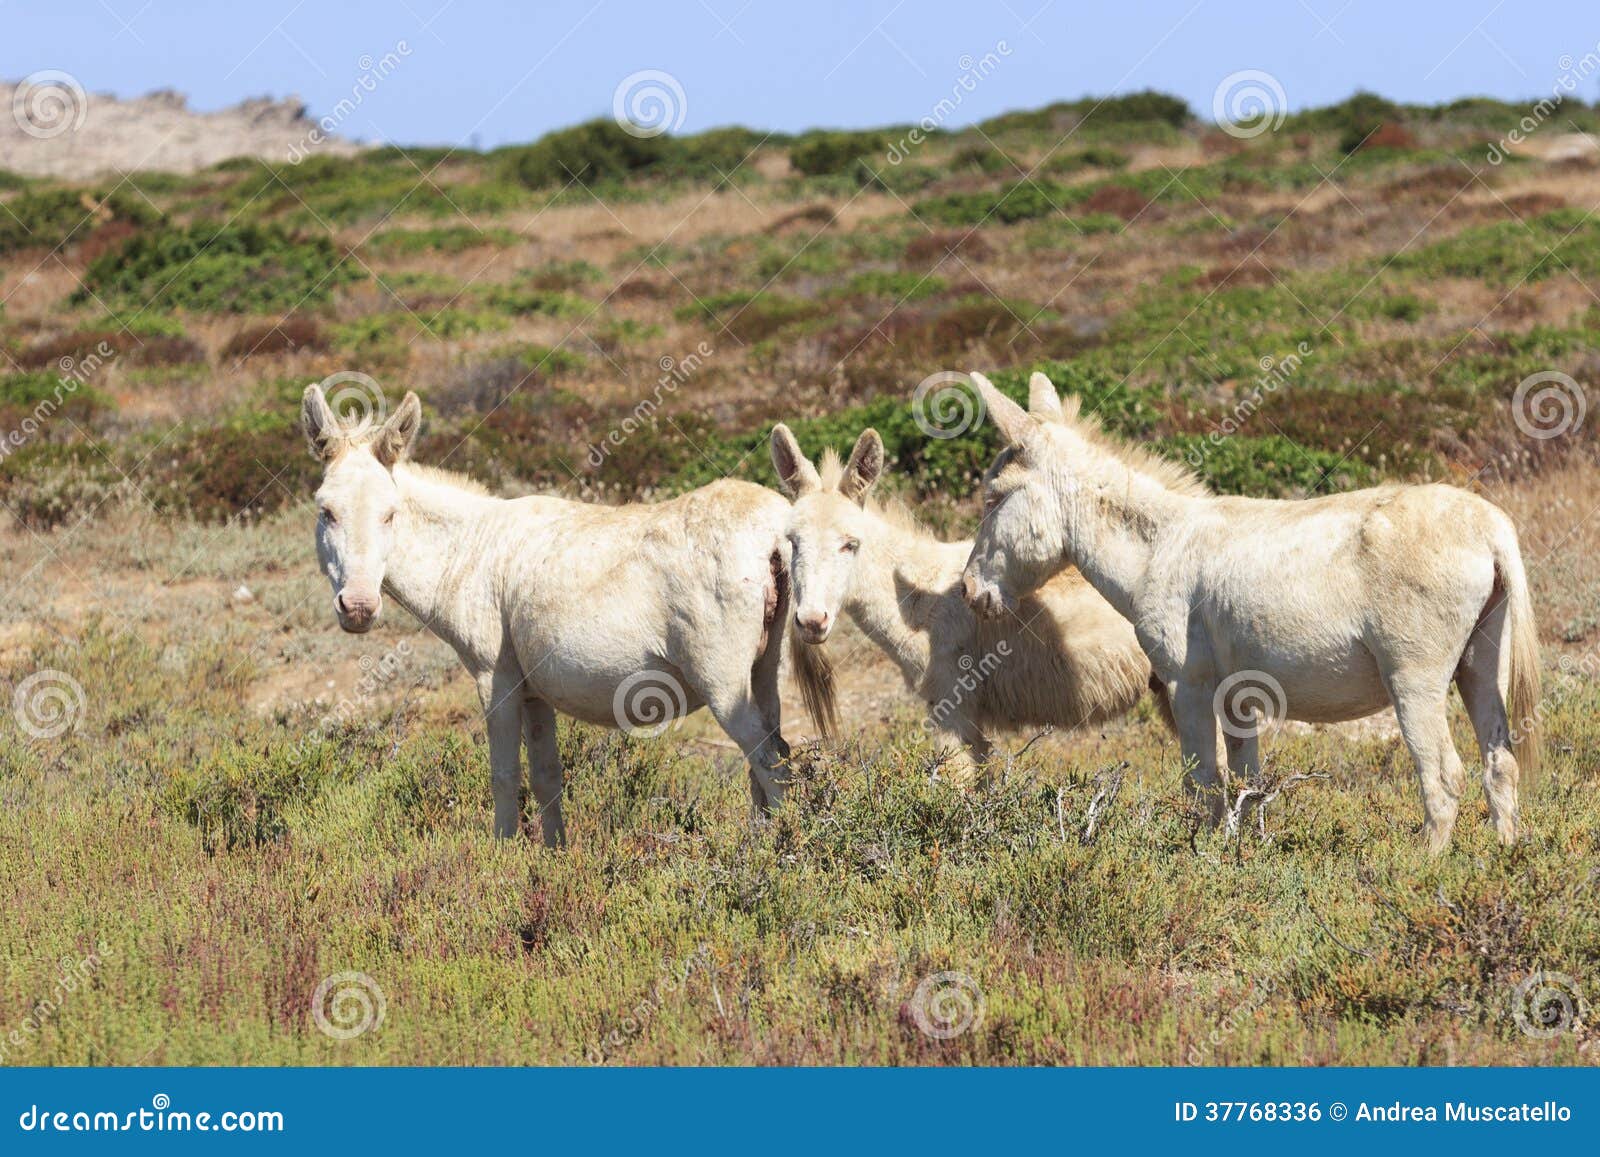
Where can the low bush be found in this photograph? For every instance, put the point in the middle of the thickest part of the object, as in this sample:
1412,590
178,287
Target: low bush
289,335
598,150
52,218
223,269
821,154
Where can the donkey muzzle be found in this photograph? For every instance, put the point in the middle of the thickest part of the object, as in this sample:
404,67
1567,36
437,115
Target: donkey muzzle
813,625
983,597
357,610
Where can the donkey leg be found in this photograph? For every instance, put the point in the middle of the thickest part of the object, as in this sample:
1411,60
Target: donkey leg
1421,705
501,694
1478,679
738,713
1241,737
544,768
1195,711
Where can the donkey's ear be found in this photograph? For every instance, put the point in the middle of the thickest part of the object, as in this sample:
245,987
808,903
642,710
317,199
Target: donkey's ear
796,474
323,432
399,433
1010,419
1043,401
864,468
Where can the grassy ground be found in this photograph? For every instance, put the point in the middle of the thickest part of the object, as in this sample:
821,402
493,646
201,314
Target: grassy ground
236,805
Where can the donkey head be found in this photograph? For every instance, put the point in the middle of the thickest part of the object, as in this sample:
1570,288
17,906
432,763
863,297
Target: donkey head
357,501
1022,538
826,527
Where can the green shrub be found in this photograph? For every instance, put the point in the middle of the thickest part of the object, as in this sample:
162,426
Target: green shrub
43,397
710,155
886,283
821,154
50,218
1147,107
442,239
598,150
983,157
1022,201
228,269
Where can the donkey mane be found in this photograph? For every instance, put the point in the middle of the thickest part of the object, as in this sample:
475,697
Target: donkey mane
831,470
1171,475
450,478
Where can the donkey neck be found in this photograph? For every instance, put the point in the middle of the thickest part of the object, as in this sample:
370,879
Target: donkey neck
1114,516
902,576
438,543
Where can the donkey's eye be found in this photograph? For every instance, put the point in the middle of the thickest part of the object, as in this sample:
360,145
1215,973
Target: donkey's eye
850,545
388,519
327,516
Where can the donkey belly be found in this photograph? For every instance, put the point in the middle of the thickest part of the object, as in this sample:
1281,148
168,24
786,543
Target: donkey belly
630,692
1317,681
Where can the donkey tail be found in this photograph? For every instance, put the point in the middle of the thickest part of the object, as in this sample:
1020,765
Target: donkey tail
1522,700
813,670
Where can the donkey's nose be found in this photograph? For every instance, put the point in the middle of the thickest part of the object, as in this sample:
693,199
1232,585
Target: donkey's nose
813,624
356,611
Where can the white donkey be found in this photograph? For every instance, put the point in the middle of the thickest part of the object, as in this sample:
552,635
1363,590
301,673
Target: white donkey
1066,659
1323,609
629,616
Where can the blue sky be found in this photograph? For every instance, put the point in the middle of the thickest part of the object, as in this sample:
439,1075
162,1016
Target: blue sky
492,72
